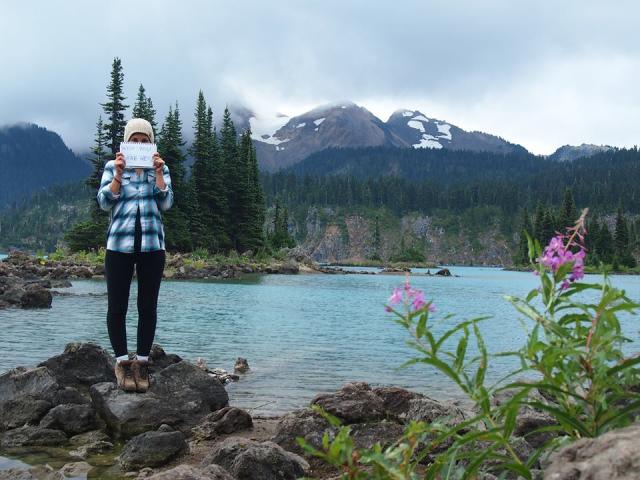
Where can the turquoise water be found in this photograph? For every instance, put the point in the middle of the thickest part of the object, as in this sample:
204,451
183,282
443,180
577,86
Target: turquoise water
3,255
302,334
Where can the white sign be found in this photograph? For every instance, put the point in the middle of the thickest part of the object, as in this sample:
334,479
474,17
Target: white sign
138,155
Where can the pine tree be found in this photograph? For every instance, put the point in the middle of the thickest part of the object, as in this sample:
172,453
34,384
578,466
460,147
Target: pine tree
622,250
114,108
568,213
522,256
143,108
90,234
233,174
538,223
255,233
170,144
548,224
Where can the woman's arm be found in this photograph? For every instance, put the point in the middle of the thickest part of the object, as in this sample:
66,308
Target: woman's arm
162,188
109,191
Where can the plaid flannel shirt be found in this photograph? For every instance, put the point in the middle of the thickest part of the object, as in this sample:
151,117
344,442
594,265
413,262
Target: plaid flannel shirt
136,191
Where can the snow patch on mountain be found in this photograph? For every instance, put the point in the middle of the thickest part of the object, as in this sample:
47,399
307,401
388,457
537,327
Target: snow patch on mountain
319,121
300,125
417,125
407,114
422,118
445,129
264,127
428,141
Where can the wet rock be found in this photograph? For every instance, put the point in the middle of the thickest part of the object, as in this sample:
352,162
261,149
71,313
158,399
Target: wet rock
444,272
89,437
188,472
30,435
72,418
614,456
90,443
75,469
61,283
354,402
152,449
179,395
38,472
224,421
241,366
69,395
36,297
249,460
81,365
301,423
26,395
13,294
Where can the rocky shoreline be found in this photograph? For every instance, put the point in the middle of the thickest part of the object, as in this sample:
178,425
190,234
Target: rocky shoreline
184,427
30,282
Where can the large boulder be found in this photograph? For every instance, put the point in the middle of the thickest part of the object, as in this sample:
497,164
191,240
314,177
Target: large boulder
30,435
614,456
354,402
82,365
152,449
396,400
179,395
428,410
224,421
26,395
72,419
366,435
250,460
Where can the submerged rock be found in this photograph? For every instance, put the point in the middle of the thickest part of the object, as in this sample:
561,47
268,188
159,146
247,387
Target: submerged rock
189,472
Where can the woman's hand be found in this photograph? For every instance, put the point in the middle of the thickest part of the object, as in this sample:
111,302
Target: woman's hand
158,165
120,165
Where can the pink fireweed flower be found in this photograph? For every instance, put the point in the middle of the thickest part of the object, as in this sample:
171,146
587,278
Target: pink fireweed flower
558,253
396,296
412,298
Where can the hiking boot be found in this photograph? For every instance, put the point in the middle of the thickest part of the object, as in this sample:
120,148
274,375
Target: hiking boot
124,376
141,375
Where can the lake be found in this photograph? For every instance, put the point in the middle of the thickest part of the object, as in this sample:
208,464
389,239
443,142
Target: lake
302,334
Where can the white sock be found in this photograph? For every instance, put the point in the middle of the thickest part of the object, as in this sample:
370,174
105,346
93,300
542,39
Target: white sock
122,357
142,358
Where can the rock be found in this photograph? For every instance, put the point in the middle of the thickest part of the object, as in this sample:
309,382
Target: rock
13,294
160,359
89,437
444,272
36,298
152,449
82,365
30,435
366,435
612,456
301,423
354,402
395,400
223,421
241,366
75,469
38,472
188,472
180,395
249,460
69,395
60,283
426,409
89,449
72,418
26,395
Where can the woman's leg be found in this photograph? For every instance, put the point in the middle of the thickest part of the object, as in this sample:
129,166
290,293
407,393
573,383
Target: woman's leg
149,268
118,269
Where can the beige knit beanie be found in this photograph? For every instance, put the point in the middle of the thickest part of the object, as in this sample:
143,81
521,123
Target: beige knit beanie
138,125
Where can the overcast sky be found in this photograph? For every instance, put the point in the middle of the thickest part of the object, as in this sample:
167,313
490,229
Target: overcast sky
538,73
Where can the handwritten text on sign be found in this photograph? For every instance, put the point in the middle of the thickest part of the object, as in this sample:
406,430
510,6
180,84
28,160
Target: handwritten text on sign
138,155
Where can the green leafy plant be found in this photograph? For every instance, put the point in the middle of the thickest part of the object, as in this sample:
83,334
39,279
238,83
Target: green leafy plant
573,360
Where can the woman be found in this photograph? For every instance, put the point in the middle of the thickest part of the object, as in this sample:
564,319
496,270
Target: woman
135,237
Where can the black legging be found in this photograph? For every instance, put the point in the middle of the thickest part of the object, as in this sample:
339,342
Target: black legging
119,272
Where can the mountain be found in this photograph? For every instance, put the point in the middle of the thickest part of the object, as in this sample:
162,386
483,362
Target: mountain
282,141
568,153
33,158
419,131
